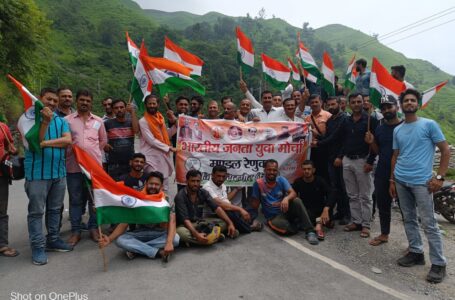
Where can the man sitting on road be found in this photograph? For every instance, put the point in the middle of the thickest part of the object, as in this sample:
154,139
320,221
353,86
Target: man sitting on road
317,197
284,212
136,178
151,240
242,219
192,227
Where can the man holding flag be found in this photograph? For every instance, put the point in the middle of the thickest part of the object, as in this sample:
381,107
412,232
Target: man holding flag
151,240
45,175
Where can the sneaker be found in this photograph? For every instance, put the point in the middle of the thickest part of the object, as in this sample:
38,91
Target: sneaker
130,254
39,256
58,246
411,259
312,238
436,274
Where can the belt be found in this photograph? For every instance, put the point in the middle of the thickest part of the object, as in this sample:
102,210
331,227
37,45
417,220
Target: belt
357,156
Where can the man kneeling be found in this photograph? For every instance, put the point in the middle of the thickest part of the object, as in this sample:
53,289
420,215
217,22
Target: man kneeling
192,227
285,213
151,240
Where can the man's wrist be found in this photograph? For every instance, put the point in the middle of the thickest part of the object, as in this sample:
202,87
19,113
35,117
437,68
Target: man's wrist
439,177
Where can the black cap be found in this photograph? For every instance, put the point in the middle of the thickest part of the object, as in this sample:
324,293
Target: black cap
388,99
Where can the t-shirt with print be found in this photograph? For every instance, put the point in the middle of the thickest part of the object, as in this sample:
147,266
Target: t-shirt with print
120,136
133,182
270,195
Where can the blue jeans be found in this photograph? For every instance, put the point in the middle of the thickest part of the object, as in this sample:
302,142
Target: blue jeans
413,197
146,242
79,196
44,196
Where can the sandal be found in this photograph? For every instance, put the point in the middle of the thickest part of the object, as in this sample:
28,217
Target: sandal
377,241
130,255
8,252
365,233
352,227
320,234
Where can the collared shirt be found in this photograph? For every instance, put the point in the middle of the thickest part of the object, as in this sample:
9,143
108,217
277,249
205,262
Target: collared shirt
354,134
320,120
89,136
187,210
362,83
272,116
333,138
50,163
61,114
284,117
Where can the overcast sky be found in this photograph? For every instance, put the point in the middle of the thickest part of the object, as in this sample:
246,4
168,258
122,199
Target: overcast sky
436,45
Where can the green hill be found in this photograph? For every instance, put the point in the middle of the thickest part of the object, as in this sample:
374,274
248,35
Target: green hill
85,46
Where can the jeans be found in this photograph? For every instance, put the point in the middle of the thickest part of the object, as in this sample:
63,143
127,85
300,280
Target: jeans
337,183
413,197
384,202
146,242
44,196
79,196
4,188
359,189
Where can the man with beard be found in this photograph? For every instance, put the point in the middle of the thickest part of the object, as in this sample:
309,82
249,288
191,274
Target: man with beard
285,213
333,141
357,166
412,180
120,134
65,102
318,120
398,72
150,240
182,105
213,110
362,82
136,177
108,111
89,134
154,142
381,143
197,103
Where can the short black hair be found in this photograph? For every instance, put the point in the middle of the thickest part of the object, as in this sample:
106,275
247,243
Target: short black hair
138,155
117,101
63,88
219,168
270,161
361,62
151,96
265,92
288,99
198,99
193,173
226,98
330,98
180,98
47,90
156,174
107,98
308,162
353,96
409,92
400,69
276,95
314,96
84,92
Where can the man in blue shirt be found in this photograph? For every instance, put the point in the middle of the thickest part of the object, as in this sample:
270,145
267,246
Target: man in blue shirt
285,213
362,83
45,177
412,180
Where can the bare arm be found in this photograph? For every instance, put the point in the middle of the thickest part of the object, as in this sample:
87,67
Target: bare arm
445,157
198,236
392,188
171,230
106,240
62,142
134,120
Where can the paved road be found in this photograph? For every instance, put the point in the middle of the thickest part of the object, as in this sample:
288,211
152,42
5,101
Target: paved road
255,266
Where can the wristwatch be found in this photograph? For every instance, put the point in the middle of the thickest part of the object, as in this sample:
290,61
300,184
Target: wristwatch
439,177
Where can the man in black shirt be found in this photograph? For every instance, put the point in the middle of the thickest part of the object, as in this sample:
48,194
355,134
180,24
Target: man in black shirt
136,178
189,203
357,165
333,141
317,197
120,134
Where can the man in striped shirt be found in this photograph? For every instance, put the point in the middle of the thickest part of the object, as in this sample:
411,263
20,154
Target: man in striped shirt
45,178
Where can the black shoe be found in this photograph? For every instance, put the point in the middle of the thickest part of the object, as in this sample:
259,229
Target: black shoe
411,259
436,274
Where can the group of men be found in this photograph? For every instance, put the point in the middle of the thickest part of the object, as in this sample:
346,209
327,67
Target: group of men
338,181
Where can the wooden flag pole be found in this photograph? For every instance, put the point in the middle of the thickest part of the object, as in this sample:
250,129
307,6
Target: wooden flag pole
240,73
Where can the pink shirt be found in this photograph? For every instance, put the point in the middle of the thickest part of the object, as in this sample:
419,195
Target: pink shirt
90,136
320,120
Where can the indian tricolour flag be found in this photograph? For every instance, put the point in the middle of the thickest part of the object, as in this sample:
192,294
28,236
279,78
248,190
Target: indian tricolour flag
175,53
30,122
116,203
133,50
428,94
382,83
275,72
328,74
168,76
294,71
351,75
141,86
308,63
245,55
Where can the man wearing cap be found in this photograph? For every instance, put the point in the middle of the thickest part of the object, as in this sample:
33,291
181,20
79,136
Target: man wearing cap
381,144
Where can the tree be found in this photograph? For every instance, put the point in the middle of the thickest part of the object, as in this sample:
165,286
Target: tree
261,14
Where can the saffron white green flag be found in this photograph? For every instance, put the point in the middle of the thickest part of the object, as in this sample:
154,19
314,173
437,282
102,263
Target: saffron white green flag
328,74
351,75
428,94
175,53
275,72
308,63
382,83
245,51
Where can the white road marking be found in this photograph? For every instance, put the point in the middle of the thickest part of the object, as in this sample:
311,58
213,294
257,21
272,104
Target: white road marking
343,268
